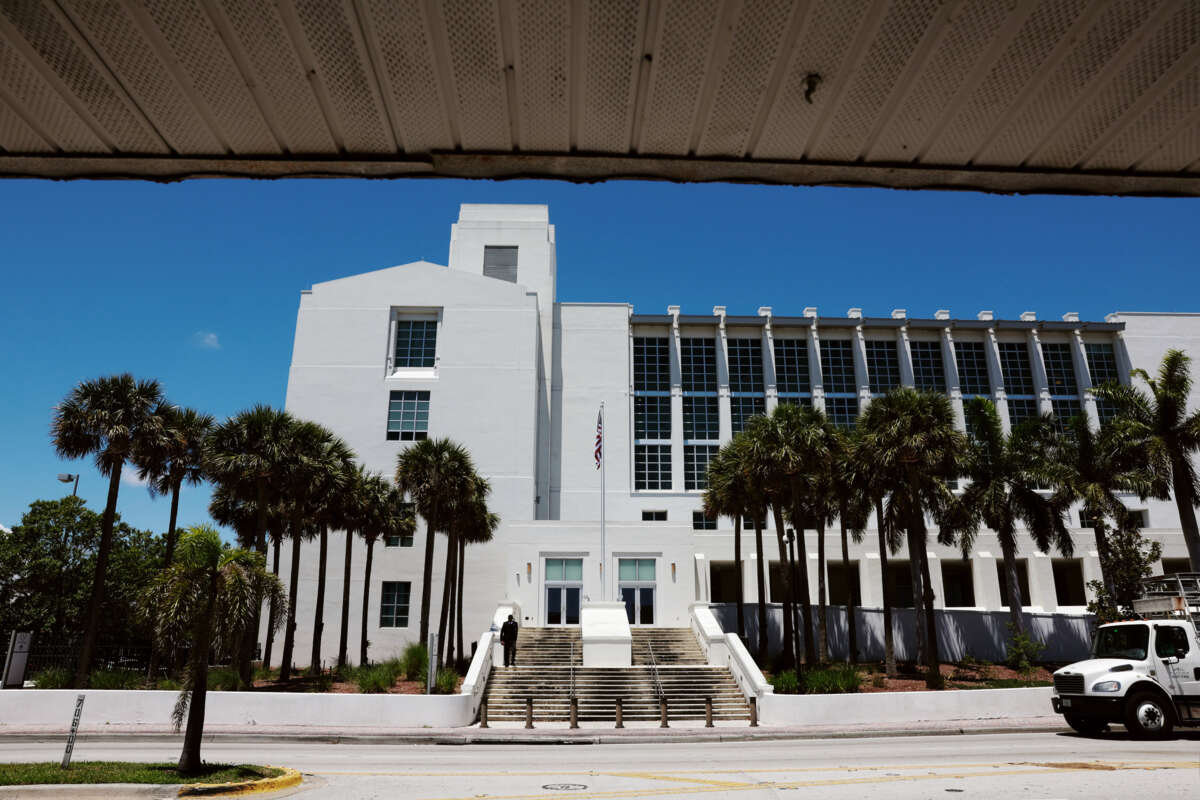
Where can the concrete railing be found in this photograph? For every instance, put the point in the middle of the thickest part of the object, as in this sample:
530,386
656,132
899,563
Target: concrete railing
726,650
475,683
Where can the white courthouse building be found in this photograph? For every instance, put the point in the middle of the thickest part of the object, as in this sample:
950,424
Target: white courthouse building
481,351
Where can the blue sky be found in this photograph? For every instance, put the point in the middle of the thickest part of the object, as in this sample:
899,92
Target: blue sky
197,283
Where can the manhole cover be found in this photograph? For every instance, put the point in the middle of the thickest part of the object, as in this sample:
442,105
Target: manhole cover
558,787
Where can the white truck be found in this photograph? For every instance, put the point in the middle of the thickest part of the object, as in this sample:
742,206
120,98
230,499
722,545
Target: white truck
1144,673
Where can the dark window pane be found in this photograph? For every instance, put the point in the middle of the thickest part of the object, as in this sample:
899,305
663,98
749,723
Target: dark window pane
1020,410
695,465
1014,364
652,466
723,581
1022,581
1068,582
837,365
416,343
928,373
972,368
791,365
701,419
883,366
408,415
842,411
741,409
745,365
958,583
651,364
841,579
1060,368
698,364
702,523
652,417
393,604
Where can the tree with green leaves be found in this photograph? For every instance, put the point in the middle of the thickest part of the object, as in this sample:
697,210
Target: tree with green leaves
336,473
109,419
206,597
850,494
1006,475
1130,558
1157,426
173,458
387,515
916,451
727,495
477,526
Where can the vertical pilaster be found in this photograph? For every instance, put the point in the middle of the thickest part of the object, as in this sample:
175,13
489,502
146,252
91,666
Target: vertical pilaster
1083,376
953,381
723,403
861,379
904,351
390,360
1040,568
1041,385
991,350
870,580
935,579
768,360
677,477
814,361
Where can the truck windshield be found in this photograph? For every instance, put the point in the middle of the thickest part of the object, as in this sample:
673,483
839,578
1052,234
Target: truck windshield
1122,641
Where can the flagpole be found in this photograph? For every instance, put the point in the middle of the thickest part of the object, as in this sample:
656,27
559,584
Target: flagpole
603,458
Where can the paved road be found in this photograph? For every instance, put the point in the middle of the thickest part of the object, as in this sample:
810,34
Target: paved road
1029,766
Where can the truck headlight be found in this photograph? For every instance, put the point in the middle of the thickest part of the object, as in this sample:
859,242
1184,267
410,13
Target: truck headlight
1107,686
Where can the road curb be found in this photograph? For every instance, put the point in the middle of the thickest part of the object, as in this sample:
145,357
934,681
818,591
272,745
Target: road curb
287,780
90,791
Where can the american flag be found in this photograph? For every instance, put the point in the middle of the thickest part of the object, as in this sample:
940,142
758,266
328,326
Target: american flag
599,437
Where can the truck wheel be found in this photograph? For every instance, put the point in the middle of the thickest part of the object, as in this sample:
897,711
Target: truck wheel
1088,726
1148,716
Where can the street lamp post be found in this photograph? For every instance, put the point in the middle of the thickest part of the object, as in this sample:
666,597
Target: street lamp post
66,477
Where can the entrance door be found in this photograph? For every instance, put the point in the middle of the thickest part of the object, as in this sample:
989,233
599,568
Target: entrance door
564,587
636,584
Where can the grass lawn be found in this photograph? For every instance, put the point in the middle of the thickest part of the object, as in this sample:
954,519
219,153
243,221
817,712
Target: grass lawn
128,772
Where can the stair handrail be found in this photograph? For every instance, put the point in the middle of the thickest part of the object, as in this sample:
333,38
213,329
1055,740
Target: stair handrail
654,671
571,664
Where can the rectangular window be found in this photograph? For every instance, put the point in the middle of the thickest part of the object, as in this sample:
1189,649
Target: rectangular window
745,365
1068,582
1022,581
406,509
1060,368
803,402
393,604
695,465
841,580
654,516
842,411
651,364
702,523
1174,566
1140,518
958,583
564,569
698,364
701,418
837,366
741,409
883,366
723,581
635,569
1014,365
652,417
791,366
1102,363
1020,410
500,263
928,373
1064,409
408,416
972,368
899,586
416,343
652,466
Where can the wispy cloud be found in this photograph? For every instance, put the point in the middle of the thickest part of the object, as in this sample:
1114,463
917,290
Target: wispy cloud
206,340
129,477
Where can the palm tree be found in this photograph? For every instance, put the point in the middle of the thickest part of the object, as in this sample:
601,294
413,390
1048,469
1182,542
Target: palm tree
109,418
478,527
433,473
1005,479
207,595
725,496
916,450
174,458
1157,427
336,463
850,495
354,512
387,515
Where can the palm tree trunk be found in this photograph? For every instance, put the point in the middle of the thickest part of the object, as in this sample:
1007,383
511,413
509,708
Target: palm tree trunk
762,597
96,602
889,643
1012,582
289,629
737,560
1098,530
802,594
788,655
250,635
189,759
462,557
366,605
314,666
1185,501
822,626
427,581
345,632
851,606
447,583
168,556
273,612
933,674
918,592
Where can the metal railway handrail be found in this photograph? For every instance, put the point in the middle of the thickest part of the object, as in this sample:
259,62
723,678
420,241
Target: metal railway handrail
571,665
654,672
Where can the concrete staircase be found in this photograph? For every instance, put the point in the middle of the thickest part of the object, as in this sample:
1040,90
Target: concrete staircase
544,673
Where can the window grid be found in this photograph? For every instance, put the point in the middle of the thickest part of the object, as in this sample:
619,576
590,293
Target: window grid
702,523
929,375
972,369
741,409
698,364
837,366
1063,409
695,465
406,509
416,343
745,365
393,604
651,364
654,516
883,366
1102,369
652,466
1060,369
1021,409
1014,366
652,417
791,367
804,401
842,411
701,419
408,416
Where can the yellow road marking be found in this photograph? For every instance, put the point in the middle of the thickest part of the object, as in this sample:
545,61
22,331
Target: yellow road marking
654,776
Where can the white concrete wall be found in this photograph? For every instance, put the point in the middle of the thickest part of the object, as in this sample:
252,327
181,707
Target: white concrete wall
864,709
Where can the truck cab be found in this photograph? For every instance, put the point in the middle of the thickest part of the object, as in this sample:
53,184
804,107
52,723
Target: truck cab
1143,673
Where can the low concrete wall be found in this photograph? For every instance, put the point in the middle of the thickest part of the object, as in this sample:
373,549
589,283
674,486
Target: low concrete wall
53,708
961,632
864,709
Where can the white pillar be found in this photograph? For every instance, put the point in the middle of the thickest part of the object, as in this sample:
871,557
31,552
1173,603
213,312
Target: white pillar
996,376
768,359
1041,385
1083,379
953,385
904,351
677,483
861,378
815,378
723,404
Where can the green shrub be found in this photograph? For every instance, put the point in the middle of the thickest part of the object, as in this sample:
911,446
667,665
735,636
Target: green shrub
1023,652
377,678
415,662
53,678
168,684
786,682
447,681
115,679
223,680
831,680
266,674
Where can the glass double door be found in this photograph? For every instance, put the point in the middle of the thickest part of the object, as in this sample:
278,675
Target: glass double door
564,590
636,586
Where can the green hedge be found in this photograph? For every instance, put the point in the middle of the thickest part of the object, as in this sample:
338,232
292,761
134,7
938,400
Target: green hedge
824,680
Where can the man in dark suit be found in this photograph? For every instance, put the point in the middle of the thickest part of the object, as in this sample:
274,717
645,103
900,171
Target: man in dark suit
508,638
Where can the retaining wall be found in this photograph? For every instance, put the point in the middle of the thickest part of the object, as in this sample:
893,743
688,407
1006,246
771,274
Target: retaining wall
865,709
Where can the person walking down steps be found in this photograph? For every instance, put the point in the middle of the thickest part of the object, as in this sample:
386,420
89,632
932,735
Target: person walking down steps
508,638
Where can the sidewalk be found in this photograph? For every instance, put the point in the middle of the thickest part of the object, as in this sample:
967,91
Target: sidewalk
550,732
